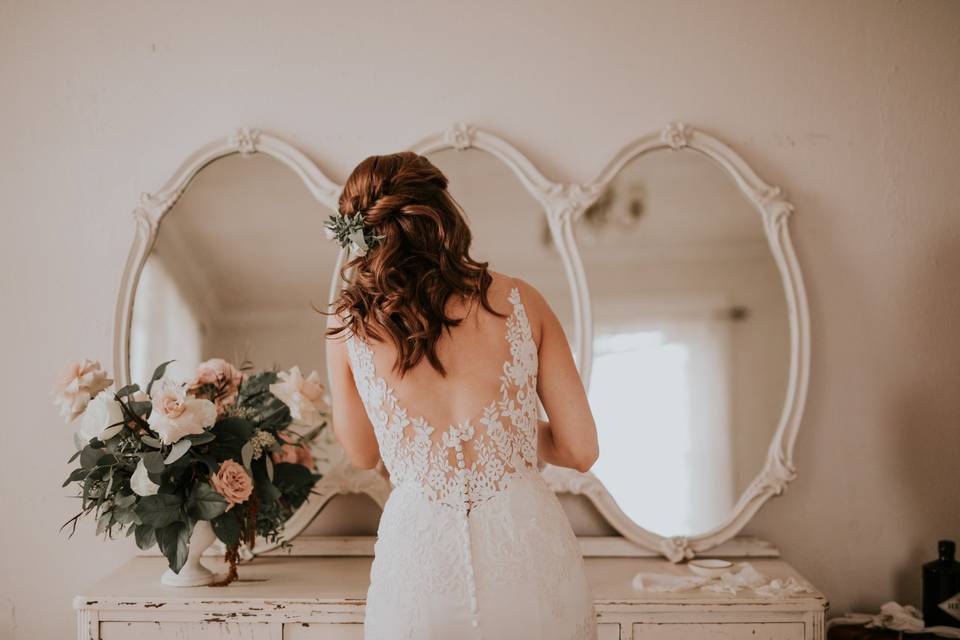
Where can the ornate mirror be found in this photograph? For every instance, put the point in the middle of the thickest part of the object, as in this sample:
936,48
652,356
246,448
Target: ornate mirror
672,273
230,261
699,342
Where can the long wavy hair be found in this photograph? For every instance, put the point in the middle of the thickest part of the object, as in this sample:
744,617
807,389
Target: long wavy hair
399,290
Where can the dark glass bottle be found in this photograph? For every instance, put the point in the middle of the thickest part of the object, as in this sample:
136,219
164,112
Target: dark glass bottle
941,581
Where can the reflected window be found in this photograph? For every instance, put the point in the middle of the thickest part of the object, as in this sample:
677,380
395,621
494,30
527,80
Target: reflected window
663,385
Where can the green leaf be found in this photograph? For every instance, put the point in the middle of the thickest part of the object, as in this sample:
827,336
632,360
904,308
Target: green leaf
174,542
125,515
205,503
140,407
159,510
227,528
269,462
145,536
246,455
125,500
177,451
75,456
153,461
76,475
266,491
127,390
104,521
201,438
150,441
157,374
89,457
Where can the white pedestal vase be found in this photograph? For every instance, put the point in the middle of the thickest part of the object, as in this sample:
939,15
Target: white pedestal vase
193,574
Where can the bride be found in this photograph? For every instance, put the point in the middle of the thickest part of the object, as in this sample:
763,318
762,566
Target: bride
436,366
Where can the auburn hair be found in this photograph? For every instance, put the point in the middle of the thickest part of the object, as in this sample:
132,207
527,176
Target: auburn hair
399,290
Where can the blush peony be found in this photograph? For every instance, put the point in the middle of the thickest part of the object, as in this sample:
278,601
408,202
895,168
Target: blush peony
76,385
224,376
304,396
176,414
295,454
232,482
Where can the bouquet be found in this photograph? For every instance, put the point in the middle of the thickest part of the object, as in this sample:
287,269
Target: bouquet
229,447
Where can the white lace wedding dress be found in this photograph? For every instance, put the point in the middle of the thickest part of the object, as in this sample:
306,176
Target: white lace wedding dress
472,542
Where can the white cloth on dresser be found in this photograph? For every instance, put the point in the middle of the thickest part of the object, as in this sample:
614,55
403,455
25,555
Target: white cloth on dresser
472,542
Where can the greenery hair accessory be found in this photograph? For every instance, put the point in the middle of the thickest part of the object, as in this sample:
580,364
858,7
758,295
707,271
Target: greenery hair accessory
351,233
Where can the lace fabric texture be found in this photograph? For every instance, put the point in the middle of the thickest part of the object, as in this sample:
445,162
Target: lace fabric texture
472,543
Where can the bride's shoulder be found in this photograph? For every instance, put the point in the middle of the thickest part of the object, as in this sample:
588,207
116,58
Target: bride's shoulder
530,297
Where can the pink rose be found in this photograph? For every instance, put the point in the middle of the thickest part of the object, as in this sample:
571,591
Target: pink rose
232,482
223,376
76,384
304,396
175,414
295,454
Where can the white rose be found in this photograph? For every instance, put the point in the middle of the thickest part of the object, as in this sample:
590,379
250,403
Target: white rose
140,482
304,396
176,414
103,417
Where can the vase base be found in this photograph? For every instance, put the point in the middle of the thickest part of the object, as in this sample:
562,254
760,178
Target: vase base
192,578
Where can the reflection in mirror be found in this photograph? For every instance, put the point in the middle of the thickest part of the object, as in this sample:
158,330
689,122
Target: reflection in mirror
691,340
508,225
237,263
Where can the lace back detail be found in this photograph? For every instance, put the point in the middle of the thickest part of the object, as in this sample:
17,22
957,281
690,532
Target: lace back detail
467,463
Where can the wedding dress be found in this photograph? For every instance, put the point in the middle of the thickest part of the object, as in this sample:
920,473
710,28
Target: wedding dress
472,542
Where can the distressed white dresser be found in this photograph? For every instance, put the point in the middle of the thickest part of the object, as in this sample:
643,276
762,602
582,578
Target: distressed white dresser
298,598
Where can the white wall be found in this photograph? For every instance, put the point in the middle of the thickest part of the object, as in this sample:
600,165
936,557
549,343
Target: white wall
850,106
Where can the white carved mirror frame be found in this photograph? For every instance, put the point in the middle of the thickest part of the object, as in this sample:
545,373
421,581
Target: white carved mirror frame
561,203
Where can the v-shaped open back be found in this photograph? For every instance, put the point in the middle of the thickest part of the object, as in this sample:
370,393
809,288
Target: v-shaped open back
462,464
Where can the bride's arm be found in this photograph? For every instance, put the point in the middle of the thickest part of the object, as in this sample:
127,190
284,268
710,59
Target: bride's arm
569,437
351,426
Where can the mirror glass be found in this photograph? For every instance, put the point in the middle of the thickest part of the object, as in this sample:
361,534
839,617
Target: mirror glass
691,340
238,261
509,226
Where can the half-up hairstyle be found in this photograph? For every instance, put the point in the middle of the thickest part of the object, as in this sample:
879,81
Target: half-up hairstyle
402,285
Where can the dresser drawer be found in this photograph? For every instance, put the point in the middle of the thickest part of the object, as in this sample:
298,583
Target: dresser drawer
322,631
720,631
185,631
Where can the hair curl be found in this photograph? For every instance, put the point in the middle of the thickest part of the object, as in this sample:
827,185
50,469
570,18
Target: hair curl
401,286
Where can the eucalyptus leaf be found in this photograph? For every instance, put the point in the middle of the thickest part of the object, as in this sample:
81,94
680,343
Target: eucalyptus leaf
89,457
157,374
140,407
246,455
269,462
75,456
104,521
125,500
150,441
201,438
129,389
76,475
177,451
